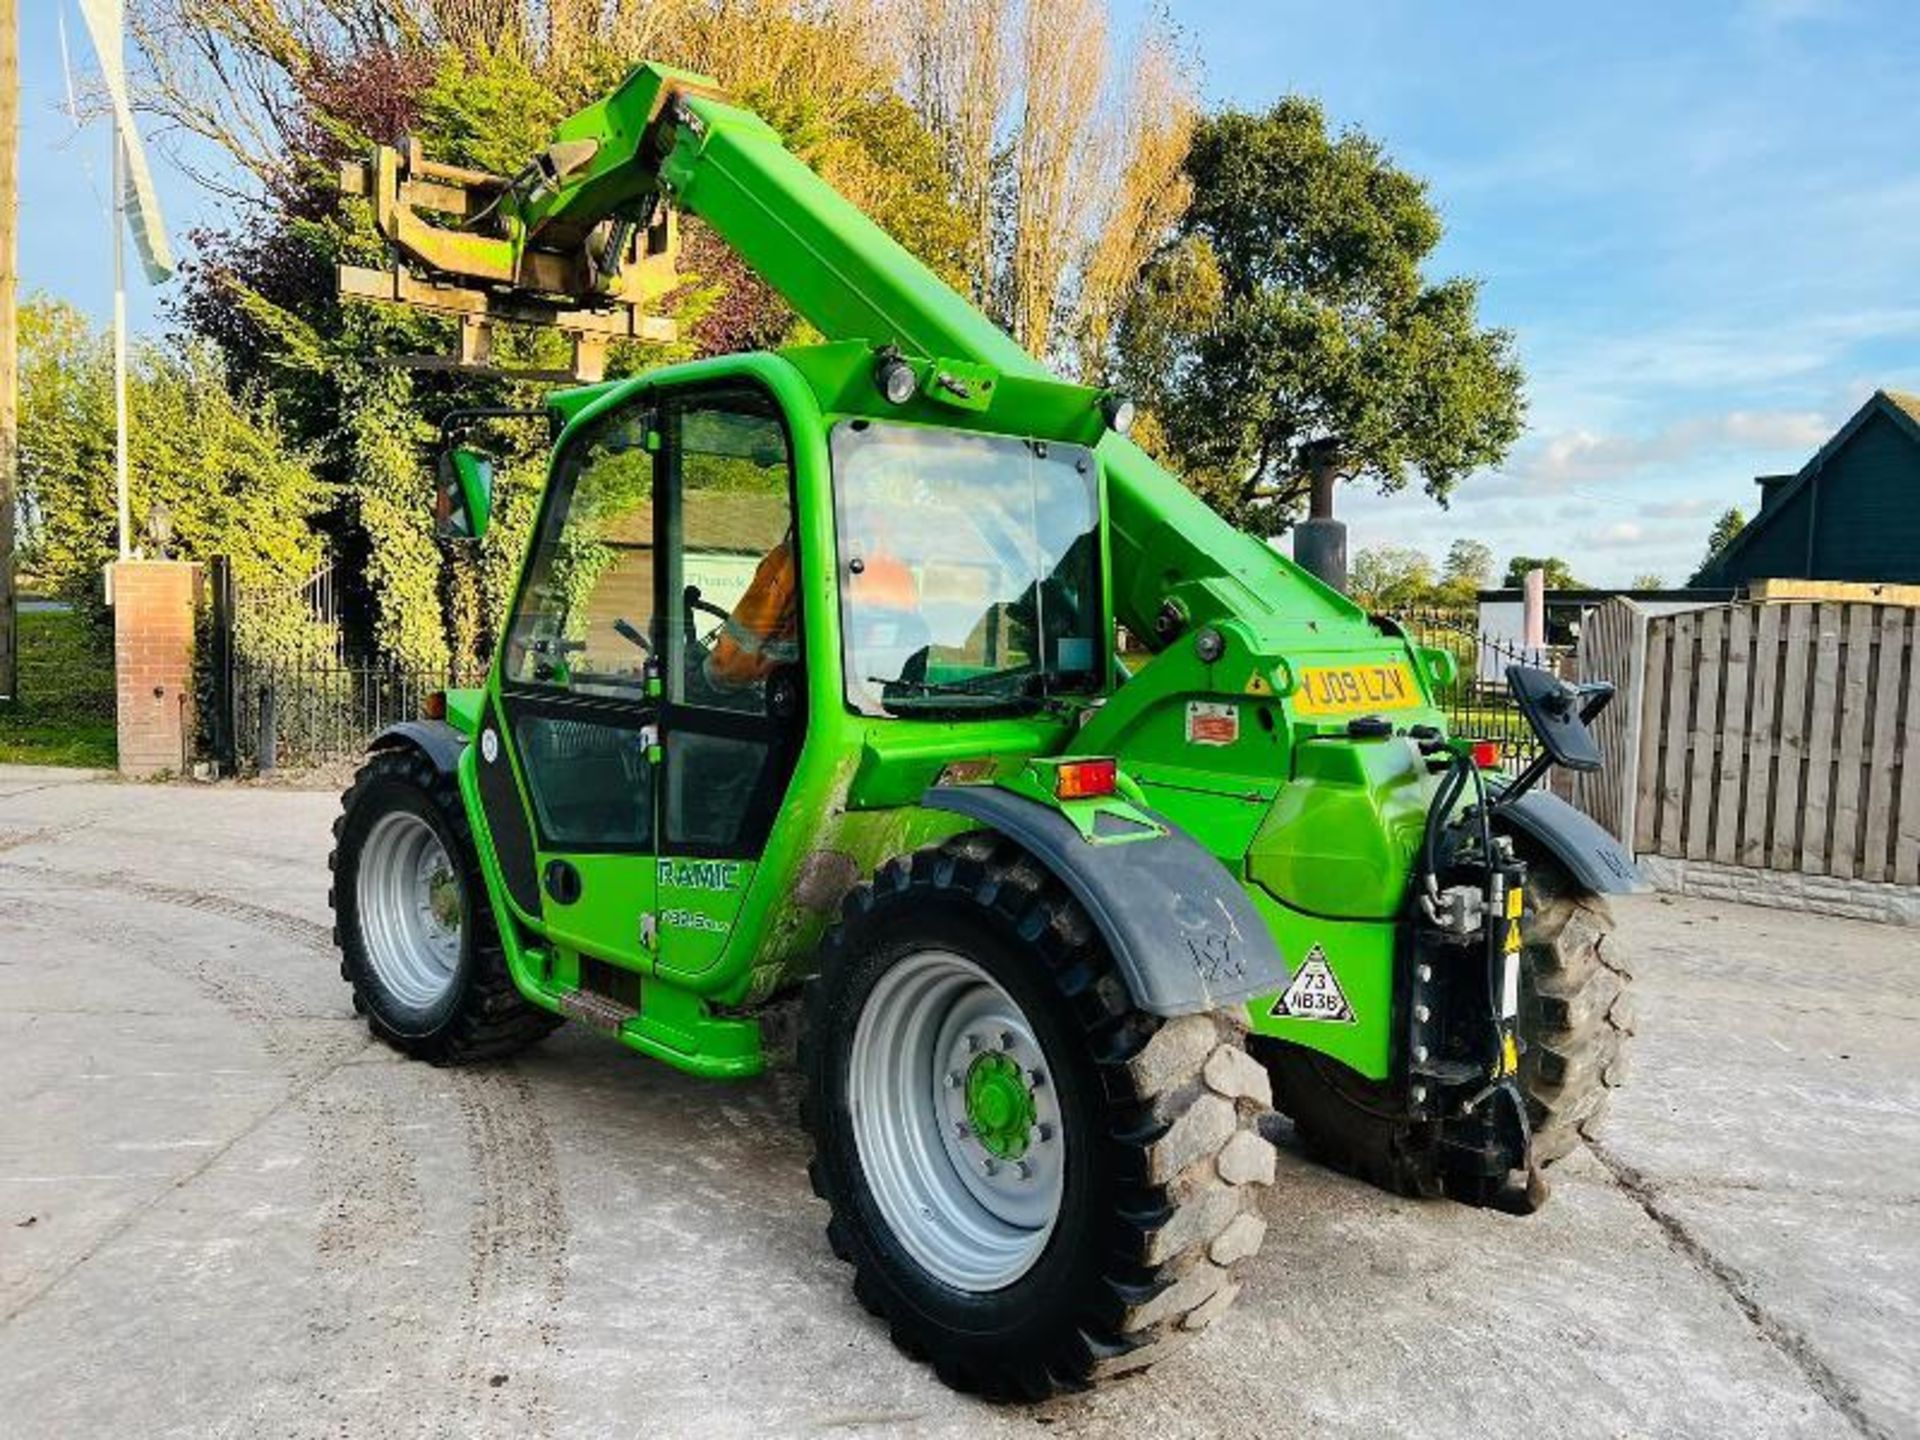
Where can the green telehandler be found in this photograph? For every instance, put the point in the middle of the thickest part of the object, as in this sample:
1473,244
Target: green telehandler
810,680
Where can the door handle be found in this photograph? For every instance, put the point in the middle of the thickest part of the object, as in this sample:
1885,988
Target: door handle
562,881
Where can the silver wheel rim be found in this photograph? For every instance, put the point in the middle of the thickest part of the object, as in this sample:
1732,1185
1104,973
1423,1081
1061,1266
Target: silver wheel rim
409,903
974,1219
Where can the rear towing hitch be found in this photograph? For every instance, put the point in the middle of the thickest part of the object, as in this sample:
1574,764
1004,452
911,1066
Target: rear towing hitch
1462,1009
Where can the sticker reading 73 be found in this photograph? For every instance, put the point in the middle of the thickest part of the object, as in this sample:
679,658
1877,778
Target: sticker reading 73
1314,993
1346,689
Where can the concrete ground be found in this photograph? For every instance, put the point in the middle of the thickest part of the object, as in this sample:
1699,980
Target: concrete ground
224,1212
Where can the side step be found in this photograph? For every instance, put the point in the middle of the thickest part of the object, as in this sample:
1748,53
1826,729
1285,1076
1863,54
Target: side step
596,1012
607,999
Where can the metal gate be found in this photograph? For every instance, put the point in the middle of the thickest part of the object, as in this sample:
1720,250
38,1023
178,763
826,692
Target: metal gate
286,689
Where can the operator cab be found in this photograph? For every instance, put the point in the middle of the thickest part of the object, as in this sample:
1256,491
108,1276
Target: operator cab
724,551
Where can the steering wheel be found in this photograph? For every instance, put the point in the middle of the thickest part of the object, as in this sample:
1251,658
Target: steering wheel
630,632
691,599
695,602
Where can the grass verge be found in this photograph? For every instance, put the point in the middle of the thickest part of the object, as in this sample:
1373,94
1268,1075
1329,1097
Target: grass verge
64,712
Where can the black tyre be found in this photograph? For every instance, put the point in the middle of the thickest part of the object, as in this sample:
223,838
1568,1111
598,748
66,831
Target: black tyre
1576,1016
1576,1010
417,939
1038,1185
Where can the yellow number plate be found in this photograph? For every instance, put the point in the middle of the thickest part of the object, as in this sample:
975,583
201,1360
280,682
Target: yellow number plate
1354,689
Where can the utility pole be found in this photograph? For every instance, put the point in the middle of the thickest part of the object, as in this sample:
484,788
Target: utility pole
9,342
117,217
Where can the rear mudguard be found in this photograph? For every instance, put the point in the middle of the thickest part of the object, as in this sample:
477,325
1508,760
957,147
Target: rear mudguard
1184,936
1592,856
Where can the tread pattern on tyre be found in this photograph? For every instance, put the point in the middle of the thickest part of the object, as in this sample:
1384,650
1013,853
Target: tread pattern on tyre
493,1019
1576,1017
1576,1011
1184,1103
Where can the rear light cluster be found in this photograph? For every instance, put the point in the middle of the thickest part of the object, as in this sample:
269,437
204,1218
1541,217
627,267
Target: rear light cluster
1084,779
1486,754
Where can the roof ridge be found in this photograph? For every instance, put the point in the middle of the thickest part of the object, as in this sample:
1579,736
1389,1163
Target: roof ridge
1906,400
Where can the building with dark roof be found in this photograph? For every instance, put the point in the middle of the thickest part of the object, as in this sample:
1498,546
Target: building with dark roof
1852,513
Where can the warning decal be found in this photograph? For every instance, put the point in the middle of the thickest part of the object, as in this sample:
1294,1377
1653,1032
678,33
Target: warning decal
1314,993
1212,724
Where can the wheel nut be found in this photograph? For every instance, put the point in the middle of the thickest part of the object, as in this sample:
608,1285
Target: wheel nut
973,1043
1419,1095
1026,1170
1036,1078
1006,1040
953,1079
1425,972
988,1167
1042,1133
1421,1013
1420,1053
961,1130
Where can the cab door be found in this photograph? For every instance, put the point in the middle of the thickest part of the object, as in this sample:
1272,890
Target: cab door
651,680
580,696
732,720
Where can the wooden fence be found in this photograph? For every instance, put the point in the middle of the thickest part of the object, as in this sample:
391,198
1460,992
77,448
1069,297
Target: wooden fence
1613,646
1773,736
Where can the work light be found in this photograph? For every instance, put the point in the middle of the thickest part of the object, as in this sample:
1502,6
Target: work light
894,377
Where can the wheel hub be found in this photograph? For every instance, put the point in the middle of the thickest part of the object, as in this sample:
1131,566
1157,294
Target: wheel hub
410,909
1000,1106
958,1128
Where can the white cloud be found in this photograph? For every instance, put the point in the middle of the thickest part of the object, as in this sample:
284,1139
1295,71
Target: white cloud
1615,537
1569,459
1680,509
1613,504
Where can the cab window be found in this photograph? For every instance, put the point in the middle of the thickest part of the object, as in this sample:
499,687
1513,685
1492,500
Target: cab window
584,623
969,569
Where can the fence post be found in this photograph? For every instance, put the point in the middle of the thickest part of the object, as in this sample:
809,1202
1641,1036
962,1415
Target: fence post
226,745
1613,647
267,757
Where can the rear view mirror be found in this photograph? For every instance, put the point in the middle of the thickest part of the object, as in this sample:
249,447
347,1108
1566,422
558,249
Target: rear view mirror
1559,713
463,494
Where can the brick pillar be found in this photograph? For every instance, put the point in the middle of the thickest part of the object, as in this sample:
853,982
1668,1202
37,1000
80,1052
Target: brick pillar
153,602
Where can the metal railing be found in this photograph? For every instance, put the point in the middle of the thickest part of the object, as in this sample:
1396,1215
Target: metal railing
1478,705
315,710
304,701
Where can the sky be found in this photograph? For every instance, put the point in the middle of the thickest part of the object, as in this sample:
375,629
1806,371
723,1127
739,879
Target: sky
1700,220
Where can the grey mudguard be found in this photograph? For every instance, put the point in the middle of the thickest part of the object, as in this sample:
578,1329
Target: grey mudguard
1182,931
1591,855
435,739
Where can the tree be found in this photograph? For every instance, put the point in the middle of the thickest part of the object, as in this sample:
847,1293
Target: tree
1465,572
1648,581
1287,331
220,467
1391,577
1730,524
1559,573
1065,158
288,91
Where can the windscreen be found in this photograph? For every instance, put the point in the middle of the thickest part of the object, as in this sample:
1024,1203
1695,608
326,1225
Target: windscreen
969,569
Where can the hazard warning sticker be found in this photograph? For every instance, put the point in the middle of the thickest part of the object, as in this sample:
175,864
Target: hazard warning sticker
1314,993
1209,723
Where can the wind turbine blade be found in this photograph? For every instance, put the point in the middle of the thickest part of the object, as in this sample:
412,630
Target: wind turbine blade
103,19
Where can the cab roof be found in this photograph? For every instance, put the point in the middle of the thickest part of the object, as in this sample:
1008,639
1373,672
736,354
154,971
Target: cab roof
953,393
